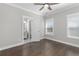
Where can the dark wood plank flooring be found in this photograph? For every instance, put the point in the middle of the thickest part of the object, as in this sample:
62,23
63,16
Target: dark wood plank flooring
44,47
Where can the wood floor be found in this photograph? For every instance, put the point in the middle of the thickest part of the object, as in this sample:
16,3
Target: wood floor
44,47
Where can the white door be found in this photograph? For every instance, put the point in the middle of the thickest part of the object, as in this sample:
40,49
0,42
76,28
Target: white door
30,29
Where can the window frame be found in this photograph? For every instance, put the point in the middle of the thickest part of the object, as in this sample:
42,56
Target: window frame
68,32
48,33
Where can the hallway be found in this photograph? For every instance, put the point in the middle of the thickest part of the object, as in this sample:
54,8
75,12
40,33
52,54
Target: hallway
43,48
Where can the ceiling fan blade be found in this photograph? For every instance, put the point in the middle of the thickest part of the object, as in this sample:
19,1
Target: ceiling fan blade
41,8
46,3
39,3
52,3
49,7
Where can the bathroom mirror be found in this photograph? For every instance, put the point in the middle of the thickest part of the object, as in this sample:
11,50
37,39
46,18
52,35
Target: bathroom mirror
49,26
73,25
25,29
26,26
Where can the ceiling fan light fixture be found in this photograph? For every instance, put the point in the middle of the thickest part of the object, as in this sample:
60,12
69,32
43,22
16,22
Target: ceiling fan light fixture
46,5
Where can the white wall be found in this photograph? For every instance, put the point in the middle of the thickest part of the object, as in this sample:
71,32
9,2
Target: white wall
11,25
60,30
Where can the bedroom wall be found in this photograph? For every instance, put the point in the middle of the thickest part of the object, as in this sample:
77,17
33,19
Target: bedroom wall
11,26
60,24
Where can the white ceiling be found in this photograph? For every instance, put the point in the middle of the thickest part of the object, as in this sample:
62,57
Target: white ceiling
35,8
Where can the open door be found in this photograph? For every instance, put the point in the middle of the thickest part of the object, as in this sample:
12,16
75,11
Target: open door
26,29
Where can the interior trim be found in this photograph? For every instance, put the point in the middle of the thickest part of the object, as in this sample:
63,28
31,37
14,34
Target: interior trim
63,7
55,10
63,42
15,45
16,6
22,43
11,46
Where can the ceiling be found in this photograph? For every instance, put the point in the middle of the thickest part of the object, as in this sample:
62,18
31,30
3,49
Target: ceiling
35,8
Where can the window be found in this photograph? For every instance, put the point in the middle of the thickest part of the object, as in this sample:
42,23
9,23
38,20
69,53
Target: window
73,25
49,26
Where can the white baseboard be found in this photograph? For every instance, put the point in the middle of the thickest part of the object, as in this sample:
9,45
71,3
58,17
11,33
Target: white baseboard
18,44
22,43
11,46
71,44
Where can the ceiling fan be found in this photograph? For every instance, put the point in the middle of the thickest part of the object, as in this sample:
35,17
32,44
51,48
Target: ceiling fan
45,4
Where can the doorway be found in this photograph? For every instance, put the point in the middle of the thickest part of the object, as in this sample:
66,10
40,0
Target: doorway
26,29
